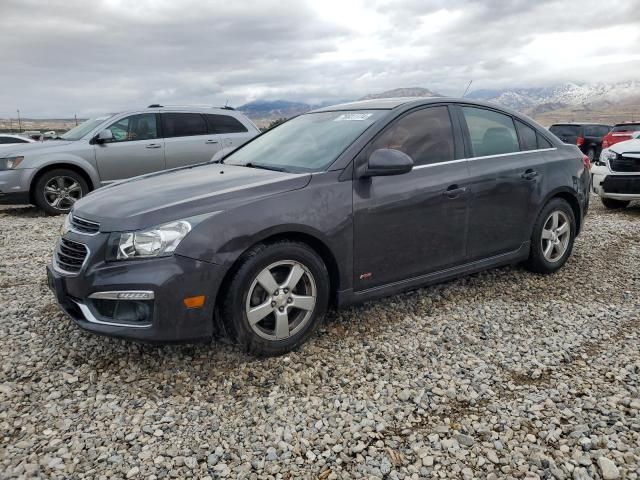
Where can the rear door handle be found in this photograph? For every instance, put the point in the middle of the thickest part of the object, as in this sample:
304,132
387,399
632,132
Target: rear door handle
454,191
529,174
154,145
211,142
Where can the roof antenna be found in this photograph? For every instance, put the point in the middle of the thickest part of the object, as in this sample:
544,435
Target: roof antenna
467,89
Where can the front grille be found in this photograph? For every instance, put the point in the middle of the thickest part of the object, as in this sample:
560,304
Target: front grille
623,184
625,164
70,255
83,226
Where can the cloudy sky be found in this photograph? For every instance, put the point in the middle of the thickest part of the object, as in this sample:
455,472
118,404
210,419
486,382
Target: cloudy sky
60,58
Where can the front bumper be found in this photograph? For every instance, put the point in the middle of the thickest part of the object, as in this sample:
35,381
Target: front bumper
618,186
14,186
170,279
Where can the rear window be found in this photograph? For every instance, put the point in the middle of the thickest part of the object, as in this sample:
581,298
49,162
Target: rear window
629,127
565,130
224,124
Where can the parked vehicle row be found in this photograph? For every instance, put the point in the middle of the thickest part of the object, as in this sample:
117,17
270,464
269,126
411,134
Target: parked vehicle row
14,139
336,206
55,174
588,137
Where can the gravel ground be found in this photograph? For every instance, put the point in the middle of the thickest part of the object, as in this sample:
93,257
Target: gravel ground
504,374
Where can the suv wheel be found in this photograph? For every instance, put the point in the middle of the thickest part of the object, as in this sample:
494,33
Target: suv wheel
614,204
553,236
57,190
277,298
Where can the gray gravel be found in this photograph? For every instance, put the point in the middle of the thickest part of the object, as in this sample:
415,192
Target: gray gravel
500,375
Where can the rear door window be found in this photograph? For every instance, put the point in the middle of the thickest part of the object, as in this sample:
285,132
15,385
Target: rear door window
491,133
527,134
425,135
565,130
224,124
183,124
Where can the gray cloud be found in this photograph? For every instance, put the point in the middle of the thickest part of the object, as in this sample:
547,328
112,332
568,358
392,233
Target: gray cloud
64,57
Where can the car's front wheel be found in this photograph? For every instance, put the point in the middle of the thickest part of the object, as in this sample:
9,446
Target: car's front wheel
57,190
613,204
276,298
553,236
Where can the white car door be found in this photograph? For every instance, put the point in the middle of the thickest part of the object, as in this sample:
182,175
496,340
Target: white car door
187,139
233,133
136,148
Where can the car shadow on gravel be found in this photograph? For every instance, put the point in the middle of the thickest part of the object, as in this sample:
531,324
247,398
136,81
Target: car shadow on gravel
27,211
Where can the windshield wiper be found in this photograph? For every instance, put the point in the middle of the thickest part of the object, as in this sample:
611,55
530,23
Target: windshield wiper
264,167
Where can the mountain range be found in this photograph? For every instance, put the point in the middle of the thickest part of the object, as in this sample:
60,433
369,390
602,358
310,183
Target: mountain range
600,102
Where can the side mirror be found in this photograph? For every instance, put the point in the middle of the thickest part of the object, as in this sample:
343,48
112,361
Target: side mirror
104,136
386,161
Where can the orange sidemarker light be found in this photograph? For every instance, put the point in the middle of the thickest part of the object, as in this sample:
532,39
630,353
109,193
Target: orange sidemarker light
194,302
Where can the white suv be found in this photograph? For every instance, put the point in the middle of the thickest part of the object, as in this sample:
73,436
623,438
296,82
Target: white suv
56,173
616,175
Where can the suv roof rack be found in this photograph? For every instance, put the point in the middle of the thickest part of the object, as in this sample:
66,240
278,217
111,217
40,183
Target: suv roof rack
157,105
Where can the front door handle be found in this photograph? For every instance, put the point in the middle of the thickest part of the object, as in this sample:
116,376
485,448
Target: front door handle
154,145
454,191
211,142
529,174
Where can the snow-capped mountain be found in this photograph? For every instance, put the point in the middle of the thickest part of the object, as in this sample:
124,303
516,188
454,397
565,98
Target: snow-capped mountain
538,100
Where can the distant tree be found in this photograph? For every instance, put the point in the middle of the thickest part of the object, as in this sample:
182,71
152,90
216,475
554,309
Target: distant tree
275,123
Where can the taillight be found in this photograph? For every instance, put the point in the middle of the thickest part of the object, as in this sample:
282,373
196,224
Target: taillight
586,162
605,142
580,141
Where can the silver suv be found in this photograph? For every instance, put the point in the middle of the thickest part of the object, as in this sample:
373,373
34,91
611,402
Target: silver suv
56,173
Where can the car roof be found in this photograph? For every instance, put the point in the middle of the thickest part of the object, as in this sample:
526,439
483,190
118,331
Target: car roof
626,123
409,102
582,123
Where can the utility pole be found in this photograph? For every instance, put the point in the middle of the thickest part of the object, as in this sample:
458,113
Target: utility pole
75,117
19,122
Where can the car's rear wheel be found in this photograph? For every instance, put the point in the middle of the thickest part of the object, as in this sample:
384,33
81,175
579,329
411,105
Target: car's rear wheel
276,298
613,204
553,236
57,190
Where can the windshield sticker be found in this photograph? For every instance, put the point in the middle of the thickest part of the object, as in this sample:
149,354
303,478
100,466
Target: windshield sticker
346,117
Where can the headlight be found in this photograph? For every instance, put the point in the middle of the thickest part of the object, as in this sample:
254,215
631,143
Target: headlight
607,155
156,242
66,226
9,163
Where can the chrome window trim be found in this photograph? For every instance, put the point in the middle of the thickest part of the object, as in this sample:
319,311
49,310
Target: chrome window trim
113,295
498,155
62,271
88,315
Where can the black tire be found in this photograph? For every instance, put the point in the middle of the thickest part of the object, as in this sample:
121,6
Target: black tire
44,200
537,261
613,204
235,302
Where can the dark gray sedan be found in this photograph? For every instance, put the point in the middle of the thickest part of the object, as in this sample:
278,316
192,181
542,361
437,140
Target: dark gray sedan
340,205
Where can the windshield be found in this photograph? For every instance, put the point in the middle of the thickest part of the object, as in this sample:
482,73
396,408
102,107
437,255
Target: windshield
79,131
630,127
308,143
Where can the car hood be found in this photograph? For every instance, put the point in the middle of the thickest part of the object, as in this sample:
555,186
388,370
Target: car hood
162,197
25,149
627,146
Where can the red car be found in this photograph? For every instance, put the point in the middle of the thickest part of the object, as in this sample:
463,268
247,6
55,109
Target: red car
620,133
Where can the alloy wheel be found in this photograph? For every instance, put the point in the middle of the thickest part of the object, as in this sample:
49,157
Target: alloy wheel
62,192
281,300
556,234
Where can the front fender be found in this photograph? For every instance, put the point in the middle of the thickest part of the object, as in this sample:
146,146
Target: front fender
62,161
